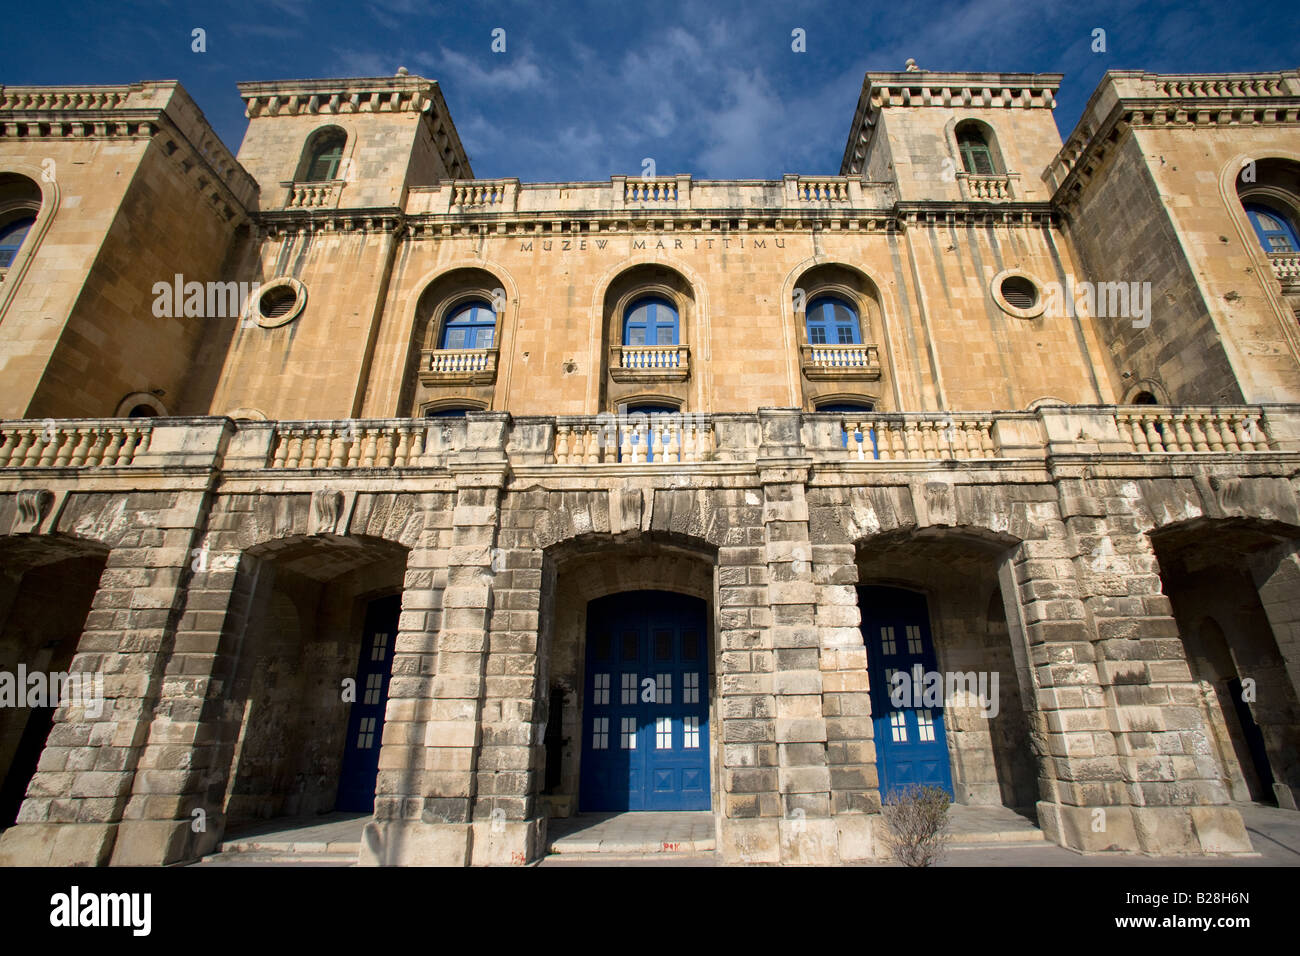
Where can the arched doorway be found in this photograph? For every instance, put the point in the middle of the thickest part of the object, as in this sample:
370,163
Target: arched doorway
616,584
932,607
1212,572
309,677
645,726
46,590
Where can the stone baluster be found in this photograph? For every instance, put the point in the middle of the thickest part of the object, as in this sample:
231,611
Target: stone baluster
15,447
66,446
130,440
1181,434
1153,438
95,455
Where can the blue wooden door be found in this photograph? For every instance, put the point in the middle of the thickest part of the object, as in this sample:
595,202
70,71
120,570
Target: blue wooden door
911,747
645,732
366,719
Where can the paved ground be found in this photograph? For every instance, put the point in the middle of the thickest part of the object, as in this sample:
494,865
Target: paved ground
983,836
331,839
629,834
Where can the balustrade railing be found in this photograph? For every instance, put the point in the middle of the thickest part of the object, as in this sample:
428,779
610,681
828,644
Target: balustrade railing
351,444
1193,430
882,437
986,187
1286,266
633,439
813,189
650,190
653,356
486,193
72,444
311,195
655,438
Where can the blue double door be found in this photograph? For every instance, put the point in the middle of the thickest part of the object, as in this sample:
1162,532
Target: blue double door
911,745
645,732
366,720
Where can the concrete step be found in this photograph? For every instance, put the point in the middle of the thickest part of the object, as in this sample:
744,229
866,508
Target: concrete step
631,859
288,847
277,858
1033,837
629,846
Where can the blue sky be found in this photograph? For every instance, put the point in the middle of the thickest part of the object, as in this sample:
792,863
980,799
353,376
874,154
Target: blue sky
585,90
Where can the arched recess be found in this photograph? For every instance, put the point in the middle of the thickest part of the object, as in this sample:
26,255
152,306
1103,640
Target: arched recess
442,294
1147,391
988,722
1275,181
636,286
821,276
140,405
25,190
324,155
964,136
582,569
47,585
696,335
1242,574
307,614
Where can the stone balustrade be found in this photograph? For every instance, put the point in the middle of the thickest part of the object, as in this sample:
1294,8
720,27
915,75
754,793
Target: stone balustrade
458,366
1286,266
653,356
650,190
65,444
821,189
1193,430
312,195
840,361
403,443
983,188
1118,433
479,193
633,439
649,363
919,437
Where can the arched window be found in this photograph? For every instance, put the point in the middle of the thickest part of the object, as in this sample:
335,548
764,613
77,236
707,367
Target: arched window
12,235
832,321
471,326
650,322
446,412
1275,230
976,156
1143,398
326,155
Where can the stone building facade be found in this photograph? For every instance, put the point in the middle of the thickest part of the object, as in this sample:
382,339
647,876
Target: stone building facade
1044,398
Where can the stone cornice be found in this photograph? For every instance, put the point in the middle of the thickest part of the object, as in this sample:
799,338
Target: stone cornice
338,97
921,88
1138,100
160,110
603,224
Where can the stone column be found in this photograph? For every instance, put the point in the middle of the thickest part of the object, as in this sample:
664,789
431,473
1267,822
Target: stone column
444,834
507,825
